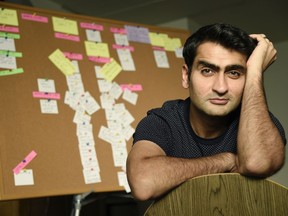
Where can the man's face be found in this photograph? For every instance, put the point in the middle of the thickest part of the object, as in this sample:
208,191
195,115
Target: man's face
217,79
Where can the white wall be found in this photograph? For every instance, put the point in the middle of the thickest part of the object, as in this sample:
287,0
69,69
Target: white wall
276,86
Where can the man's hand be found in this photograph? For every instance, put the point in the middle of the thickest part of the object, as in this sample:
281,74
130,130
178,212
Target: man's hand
232,160
263,55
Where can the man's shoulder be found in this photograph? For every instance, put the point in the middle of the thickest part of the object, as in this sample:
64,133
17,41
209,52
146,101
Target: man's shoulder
169,106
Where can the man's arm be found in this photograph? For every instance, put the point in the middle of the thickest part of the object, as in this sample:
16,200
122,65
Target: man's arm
260,147
151,173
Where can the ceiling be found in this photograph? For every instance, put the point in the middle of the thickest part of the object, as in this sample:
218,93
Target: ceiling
254,16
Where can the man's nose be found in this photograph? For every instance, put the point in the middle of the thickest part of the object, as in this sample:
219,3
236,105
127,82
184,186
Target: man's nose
220,84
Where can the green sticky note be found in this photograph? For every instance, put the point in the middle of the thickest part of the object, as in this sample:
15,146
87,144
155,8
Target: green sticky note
11,72
9,35
10,53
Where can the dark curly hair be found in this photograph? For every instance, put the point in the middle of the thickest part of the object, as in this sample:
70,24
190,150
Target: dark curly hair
226,35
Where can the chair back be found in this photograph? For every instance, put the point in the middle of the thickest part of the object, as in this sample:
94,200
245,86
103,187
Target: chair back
228,194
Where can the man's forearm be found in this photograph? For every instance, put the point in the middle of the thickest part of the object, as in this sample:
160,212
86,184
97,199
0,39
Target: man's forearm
159,174
260,146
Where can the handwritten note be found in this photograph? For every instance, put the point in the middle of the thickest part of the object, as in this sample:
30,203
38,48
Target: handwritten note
129,96
110,70
24,177
8,17
65,25
49,106
7,44
121,39
8,62
126,60
157,39
93,35
171,44
138,34
62,63
161,59
97,49
46,85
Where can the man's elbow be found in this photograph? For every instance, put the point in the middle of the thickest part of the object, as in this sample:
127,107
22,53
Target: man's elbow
261,167
141,188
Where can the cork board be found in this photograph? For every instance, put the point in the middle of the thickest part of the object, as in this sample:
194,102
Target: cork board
25,129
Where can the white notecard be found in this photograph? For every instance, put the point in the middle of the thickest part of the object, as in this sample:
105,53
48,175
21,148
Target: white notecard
25,177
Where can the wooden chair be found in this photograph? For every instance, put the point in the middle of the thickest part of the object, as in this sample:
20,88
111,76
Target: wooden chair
223,195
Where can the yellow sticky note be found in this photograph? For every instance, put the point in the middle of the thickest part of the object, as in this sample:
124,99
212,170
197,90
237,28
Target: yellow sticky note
62,63
171,44
110,70
65,25
97,49
157,39
8,17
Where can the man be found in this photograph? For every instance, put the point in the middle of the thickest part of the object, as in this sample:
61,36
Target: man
224,126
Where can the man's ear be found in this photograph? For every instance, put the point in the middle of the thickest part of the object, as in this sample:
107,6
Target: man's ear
185,76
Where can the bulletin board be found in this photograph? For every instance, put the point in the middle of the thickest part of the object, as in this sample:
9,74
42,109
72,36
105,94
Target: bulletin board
41,153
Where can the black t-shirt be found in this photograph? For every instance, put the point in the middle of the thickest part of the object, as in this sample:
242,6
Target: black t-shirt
170,128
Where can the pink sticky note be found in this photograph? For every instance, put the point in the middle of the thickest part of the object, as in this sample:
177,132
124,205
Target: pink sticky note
25,162
46,95
91,26
130,48
118,30
158,48
99,59
67,36
9,29
135,87
34,17
73,56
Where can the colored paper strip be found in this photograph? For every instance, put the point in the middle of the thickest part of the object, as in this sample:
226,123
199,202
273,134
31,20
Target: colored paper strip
9,29
92,26
11,72
73,56
135,87
9,35
46,95
25,162
34,17
10,53
116,46
67,37
99,59
118,30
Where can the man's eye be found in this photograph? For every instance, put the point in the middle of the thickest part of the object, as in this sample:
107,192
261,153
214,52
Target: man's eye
234,74
206,71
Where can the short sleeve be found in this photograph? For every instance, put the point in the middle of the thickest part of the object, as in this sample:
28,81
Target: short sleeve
154,129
